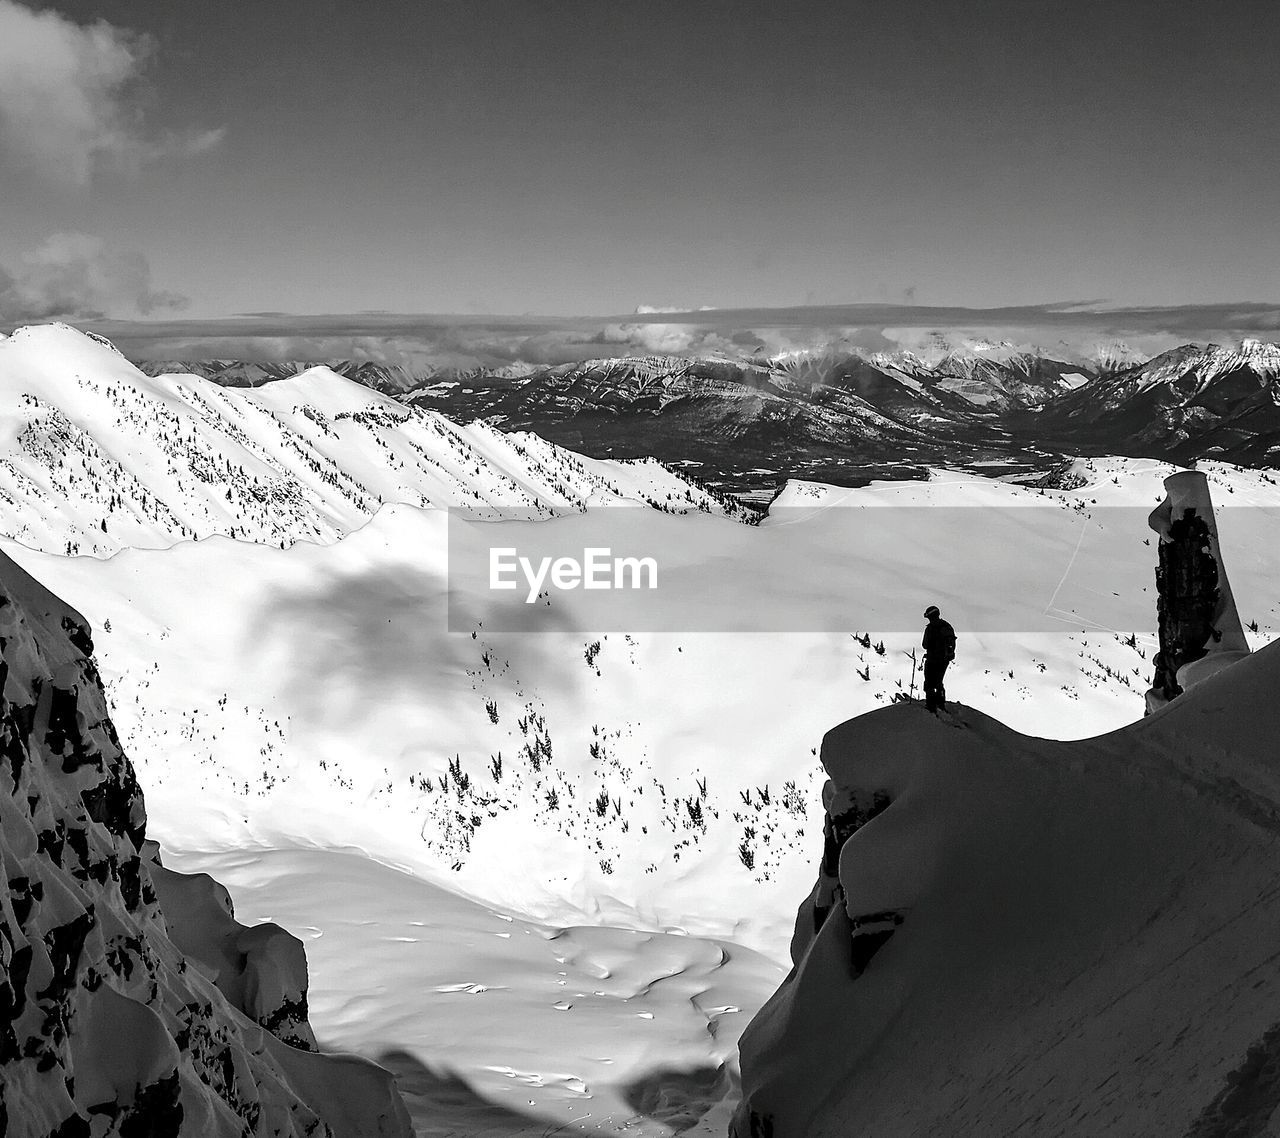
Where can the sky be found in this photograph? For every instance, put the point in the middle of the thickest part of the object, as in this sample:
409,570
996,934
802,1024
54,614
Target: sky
580,157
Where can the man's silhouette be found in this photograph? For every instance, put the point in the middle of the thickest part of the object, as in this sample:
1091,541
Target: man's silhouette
939,646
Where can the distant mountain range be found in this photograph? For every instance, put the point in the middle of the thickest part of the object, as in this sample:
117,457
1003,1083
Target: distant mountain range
848,416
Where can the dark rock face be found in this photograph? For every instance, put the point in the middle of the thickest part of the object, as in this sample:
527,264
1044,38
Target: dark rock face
1199,626
871,931
1187,588
104,1028
840,821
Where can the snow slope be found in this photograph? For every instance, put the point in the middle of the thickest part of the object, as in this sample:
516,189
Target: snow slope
96,456
497,1025
313,699
1053,937
291,685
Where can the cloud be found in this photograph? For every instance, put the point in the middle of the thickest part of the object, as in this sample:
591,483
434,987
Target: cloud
424,343
655,339
651,309
76,276
71,98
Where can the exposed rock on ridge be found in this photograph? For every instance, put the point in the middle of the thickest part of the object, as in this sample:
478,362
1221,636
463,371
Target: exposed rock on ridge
120,1013
1200,629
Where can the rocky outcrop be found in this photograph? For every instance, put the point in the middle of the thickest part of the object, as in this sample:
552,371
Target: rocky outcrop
131,1003
260,969
1199,628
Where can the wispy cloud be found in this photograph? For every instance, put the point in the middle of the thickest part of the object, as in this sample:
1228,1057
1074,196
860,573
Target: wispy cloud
70,98
76,276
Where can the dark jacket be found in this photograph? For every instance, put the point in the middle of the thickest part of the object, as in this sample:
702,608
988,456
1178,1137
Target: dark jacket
939,641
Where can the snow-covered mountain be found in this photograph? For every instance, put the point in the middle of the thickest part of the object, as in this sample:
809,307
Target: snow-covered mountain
996,378
1060,938
1186,403
1116,355
749,424
902,384
96,456
131,1000
847,415
834,414
390,379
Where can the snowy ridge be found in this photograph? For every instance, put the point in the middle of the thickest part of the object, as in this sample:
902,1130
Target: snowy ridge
387,378
95,456
656,380
1021,933
1116,355
119,1012
1189,402
1001,375
842,412
729,417
1211,362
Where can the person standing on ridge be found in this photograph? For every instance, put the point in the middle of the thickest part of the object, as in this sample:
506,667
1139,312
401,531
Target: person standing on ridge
939,646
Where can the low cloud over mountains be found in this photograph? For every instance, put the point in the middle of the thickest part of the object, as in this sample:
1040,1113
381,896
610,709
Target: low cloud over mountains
427,343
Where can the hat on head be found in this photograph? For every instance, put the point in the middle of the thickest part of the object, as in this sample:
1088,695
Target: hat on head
931,611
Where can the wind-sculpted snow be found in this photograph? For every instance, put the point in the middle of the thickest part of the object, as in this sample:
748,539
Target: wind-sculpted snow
126,1008
95,456
1015,935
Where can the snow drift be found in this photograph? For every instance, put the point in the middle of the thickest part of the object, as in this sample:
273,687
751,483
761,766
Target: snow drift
131,1001
1010,933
